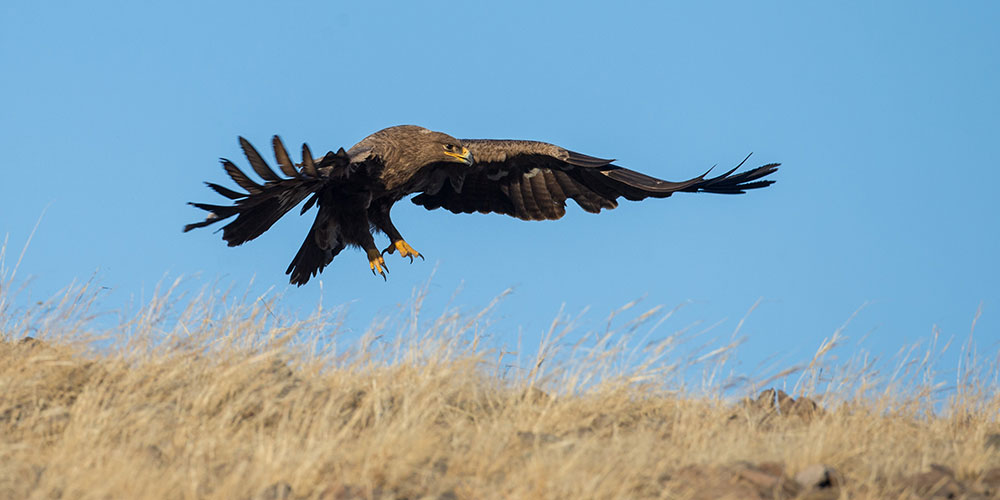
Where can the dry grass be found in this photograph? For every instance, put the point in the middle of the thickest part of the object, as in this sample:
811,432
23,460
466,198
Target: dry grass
221,398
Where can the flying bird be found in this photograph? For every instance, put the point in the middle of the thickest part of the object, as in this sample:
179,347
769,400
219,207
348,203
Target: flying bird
354,190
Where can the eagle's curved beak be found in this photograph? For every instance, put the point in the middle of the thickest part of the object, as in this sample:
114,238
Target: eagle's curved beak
465,156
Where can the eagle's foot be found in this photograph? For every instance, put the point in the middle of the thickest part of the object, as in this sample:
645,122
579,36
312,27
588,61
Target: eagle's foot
405,250
376,263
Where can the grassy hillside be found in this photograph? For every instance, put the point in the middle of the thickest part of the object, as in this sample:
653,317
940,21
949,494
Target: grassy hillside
220,398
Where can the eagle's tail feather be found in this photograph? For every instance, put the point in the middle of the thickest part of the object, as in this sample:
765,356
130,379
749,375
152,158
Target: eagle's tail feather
312,257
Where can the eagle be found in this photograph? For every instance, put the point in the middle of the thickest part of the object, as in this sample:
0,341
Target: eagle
355,190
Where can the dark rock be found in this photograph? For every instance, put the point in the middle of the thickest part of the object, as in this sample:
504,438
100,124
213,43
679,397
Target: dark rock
766,399
743,481
277,491
155,455
342,492
772,404
536,395
818,477
989,482
764,480
804,408
785,402
527,437
993,441
937,483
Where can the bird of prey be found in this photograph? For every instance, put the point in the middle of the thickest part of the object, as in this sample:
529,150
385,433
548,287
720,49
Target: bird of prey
354,190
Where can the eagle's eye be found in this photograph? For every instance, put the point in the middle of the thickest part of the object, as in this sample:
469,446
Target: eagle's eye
449,147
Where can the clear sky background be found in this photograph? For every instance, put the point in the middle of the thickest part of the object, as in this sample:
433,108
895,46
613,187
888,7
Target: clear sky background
884,116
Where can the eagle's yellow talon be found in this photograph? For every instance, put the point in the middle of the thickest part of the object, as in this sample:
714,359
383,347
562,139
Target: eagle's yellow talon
377,264
405,250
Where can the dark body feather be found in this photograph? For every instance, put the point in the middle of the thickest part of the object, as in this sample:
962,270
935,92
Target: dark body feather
356,189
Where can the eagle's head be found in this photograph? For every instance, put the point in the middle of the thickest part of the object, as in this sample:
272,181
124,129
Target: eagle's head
436,147
417,146
454,149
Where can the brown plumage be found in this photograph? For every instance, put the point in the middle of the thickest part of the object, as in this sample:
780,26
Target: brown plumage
355,189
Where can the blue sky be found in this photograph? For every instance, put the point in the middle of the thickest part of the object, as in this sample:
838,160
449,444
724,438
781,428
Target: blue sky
883,116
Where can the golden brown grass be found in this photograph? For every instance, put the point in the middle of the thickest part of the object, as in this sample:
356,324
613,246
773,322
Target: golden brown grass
224,399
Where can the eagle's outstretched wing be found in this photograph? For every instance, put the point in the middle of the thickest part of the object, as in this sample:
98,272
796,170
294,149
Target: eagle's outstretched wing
263,204
532,180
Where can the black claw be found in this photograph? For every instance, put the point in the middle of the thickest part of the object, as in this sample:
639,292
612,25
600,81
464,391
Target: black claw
421,257
411,258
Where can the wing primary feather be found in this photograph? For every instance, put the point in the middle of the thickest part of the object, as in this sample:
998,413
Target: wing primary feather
218,210
281,154
720,177
586,198
755,185
612,189
745,160
739,183
196,225
652,185
308,165
224,191
309,203
239,177
257,162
